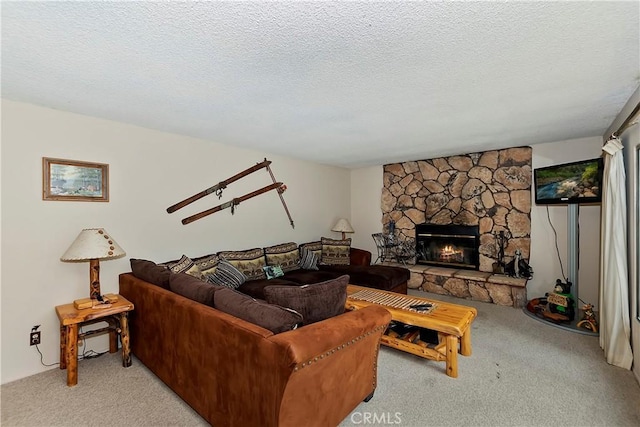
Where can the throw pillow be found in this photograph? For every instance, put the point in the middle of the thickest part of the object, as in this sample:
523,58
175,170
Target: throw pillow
273,271
227,275
192,288
150,272
336,252
185,265
308,260
315,302
285,255
249,262
207,264
272,317
315,247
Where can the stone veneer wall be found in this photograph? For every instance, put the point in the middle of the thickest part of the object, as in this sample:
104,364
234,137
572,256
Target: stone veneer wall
490,189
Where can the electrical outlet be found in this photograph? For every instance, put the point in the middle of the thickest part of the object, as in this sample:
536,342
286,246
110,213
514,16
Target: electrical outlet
34,338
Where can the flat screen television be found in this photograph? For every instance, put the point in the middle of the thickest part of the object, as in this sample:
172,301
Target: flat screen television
576,182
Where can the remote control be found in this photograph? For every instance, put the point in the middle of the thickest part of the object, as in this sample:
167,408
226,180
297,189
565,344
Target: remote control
421,307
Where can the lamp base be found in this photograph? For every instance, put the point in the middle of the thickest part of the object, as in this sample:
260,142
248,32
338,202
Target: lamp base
94,278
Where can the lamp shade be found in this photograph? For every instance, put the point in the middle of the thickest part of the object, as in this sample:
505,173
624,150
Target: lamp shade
93,243
342,226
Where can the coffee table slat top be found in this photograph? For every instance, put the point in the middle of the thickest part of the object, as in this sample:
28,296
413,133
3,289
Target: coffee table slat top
446,317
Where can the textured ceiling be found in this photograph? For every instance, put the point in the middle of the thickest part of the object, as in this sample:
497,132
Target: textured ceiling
342,83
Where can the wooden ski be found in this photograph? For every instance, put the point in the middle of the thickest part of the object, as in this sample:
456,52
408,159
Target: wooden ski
219,186
232,203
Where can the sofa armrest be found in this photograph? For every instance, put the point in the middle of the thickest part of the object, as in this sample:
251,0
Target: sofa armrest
360,257
333,366
303,344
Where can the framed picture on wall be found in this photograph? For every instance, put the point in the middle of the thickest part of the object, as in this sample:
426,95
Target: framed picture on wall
72,180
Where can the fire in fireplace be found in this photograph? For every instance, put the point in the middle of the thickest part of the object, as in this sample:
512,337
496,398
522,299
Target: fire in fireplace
448,245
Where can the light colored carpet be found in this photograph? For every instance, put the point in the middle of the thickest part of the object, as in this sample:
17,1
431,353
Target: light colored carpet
522,373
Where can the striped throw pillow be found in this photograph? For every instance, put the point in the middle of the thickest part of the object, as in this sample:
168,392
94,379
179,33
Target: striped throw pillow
308,260
227,275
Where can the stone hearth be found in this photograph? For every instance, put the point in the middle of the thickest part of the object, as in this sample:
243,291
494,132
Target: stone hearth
468,284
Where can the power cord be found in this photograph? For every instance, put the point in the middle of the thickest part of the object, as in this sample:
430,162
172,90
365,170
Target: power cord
42,359
89,354
555,233
86,354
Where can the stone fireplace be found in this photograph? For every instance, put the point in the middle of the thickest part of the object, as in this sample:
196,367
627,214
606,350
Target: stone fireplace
490,191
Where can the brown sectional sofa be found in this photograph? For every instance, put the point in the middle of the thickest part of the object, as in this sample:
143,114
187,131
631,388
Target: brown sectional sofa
234,372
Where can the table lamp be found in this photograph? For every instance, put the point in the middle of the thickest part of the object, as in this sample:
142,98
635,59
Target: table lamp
93,244
342,226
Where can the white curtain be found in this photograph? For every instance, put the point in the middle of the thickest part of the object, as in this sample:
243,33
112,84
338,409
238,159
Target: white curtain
615,331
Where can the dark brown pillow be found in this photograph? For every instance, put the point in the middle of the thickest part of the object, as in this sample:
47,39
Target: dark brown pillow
272,317
315,302
192,288
151,272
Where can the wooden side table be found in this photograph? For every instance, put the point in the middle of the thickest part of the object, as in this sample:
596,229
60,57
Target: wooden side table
71,318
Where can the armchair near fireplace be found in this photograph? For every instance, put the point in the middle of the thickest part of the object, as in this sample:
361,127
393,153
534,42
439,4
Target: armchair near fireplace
384,245
401,251
405,251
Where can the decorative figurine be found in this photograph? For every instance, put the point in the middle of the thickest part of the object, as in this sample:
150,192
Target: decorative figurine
518,267
589,319
561,302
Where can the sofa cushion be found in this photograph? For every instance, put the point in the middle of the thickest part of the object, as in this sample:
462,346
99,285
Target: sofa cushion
272,317
249,262
285,255
226,275
255,288
383,277
308,259
306,277
315,302
185,265
150,272
207,264
192,288
335,252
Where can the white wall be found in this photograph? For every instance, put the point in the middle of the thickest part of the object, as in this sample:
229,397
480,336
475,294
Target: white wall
149,171
366,212
366,187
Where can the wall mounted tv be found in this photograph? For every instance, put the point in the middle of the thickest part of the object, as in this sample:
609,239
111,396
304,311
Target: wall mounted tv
576,182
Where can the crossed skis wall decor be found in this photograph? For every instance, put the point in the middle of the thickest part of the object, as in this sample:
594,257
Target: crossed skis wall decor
219,187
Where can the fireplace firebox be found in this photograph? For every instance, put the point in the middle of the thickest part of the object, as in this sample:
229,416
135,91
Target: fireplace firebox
453,246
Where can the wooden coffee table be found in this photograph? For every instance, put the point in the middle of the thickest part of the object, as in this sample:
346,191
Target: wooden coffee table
451,321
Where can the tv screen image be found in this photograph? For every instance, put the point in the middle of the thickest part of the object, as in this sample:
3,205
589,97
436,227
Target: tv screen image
576,182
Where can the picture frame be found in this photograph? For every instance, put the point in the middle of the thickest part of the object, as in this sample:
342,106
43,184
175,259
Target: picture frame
73,180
